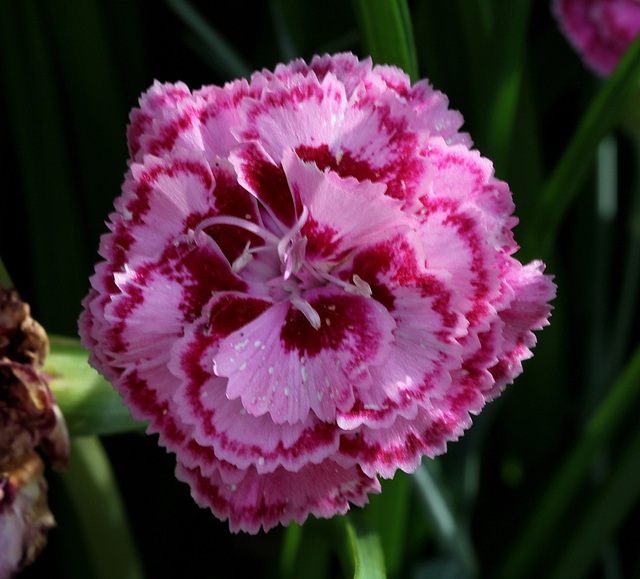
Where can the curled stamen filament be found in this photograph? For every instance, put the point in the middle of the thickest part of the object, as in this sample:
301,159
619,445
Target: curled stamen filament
238,222
291,250
307,310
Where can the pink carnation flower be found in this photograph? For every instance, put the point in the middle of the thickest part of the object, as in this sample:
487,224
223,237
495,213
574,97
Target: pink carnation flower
600,30
308,283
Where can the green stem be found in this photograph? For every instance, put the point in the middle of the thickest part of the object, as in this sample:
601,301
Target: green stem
87,401
366,550
628,299
94,494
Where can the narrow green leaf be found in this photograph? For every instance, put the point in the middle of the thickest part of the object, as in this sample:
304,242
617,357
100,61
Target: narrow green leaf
96,500
307,550
290,547
555,502
510,48
36,118
603,517
571,171
93,106
452,538
219,52
87,400
366,550
389,512
387,33
286,44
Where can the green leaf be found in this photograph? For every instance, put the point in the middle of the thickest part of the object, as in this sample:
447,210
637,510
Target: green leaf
453,539
87,401
387,33
389,512
365,548
571,171
36,117
94,495
555,502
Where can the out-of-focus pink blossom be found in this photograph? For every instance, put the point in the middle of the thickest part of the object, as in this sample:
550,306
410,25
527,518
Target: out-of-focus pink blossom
29,418
600,30
308,283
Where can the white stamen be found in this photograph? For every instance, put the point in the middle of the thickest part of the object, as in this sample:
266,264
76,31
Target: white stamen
242,223
292,250
307,310
243,260
359,287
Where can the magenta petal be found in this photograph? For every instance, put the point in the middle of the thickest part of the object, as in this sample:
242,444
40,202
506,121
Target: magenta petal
600,30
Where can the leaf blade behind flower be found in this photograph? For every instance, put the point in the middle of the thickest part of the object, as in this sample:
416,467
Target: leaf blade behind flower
387,33
365,548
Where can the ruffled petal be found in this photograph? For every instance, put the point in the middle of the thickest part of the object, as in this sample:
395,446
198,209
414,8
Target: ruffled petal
266,500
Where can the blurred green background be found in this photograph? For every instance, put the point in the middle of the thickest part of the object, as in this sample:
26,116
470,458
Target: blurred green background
70,71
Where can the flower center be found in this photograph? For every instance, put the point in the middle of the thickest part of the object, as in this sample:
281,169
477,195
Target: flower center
297,272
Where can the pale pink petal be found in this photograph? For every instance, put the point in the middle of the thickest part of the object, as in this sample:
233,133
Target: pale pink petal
225,426
280,364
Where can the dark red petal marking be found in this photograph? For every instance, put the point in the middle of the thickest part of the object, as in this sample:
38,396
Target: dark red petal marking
266,180
340,315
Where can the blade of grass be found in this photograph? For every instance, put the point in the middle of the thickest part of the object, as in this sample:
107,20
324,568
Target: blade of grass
87,400
223,57
565,182
558,497
387,33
